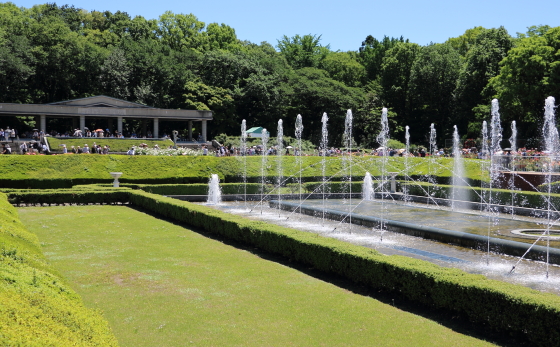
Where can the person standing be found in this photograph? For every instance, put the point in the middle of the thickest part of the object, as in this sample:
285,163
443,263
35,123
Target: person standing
13,135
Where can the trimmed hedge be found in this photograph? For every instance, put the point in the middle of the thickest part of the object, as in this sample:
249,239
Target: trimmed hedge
36,307
499,196
81,197
339,187
504,307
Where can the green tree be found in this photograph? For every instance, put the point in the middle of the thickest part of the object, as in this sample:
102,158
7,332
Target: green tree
464,42
115,75
432,82
528,75
395,79
199,96
372,51
221,36
181,31
303,51
473,95
342,67
310,92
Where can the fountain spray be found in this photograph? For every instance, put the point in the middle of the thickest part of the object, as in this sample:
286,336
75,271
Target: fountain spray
348,156
299,157
550,134
382,139
407,148
431,163
279,166
243,152
323,148
264,139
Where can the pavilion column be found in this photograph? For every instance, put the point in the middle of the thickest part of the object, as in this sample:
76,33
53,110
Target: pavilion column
190,130
43,123
156,128
82,123
119,125
204,131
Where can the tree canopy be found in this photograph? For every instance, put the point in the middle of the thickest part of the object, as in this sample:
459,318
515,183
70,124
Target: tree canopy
51,53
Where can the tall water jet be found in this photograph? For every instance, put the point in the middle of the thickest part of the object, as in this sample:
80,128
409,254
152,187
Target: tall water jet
382,139
279,164
513,138
496,163
513,146
243,153
495,128
214,191
458,196
484,197
406,166
552,142
432,163
348,156
264,142
367,187
299,157
324,149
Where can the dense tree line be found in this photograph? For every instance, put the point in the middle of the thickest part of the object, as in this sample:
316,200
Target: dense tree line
51,53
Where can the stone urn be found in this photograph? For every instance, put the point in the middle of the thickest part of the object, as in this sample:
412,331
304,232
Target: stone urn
116,176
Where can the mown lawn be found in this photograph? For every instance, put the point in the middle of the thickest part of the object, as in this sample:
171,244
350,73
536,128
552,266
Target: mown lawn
160,284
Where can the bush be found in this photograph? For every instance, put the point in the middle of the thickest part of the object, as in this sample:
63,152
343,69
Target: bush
477,194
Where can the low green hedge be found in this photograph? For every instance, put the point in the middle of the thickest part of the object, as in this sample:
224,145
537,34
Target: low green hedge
477,194
340,187
182,189
81,197
504,307
36,307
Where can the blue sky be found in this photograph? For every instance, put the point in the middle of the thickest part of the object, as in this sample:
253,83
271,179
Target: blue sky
344,24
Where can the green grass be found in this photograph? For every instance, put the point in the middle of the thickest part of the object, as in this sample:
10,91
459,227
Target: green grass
116,145
230,169
160,284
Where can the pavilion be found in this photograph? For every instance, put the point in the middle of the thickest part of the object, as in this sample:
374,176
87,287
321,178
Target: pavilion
109,108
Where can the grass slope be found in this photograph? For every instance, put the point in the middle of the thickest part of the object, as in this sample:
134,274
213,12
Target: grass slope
231,169
37,307
161,284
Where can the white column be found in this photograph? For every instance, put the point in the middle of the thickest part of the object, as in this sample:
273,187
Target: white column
119,125
204,130
82,124
156,128
190,130
43,123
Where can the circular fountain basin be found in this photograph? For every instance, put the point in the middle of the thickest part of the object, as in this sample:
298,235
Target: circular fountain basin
537,233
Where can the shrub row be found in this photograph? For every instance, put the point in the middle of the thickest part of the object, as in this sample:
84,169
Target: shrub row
81,197
340,187
36,307
477,194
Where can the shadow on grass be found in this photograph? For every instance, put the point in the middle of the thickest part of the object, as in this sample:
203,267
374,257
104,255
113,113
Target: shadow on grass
452,320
